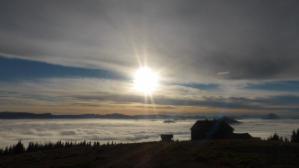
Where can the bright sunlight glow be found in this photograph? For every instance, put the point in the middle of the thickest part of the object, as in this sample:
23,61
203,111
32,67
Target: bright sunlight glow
146,80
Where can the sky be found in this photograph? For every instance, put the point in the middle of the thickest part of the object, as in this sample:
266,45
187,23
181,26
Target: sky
213,56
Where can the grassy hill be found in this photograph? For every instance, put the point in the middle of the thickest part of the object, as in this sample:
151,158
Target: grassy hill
216,153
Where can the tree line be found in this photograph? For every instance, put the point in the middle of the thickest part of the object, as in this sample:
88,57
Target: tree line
34,147
294,137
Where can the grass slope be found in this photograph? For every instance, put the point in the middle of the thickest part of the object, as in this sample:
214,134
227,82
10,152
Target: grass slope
218,153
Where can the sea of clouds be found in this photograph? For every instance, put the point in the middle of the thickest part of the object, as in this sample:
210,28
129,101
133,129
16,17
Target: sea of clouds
125,131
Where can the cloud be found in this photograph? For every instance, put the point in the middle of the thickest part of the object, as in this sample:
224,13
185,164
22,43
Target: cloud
67,133
92,95
223,73
283,102
208,53
192,40
90,130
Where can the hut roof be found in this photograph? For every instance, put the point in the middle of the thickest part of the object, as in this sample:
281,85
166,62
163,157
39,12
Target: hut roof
208,124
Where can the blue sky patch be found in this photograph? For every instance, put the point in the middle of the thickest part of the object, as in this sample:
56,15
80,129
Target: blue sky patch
202,86
12,69
289,86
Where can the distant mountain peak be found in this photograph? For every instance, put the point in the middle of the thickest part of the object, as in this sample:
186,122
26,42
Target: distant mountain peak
271,116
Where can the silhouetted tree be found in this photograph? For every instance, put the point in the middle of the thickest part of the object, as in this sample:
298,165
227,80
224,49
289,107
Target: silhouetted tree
19,148
286,140
275,137
15,149
295,136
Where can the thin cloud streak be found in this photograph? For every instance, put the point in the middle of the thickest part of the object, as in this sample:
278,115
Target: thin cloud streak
103,94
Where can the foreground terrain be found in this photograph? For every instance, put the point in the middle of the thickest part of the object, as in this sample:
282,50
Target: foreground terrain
218,153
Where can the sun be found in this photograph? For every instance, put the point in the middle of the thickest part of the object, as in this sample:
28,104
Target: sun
146,80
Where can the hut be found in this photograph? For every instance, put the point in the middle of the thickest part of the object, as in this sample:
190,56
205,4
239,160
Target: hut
215,129
166,137
211,129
